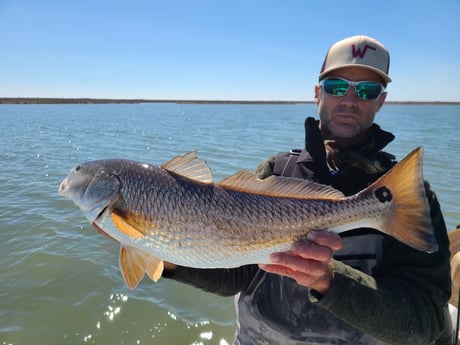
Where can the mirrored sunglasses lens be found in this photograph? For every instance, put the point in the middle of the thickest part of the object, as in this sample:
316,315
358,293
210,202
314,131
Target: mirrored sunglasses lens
336,87
368,90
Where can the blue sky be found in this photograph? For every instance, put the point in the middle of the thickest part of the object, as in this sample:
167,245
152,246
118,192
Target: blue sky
212,49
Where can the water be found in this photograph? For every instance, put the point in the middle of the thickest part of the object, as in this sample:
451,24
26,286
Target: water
59,279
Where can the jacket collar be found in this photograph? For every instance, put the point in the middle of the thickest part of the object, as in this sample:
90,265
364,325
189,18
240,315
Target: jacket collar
363,156
375,141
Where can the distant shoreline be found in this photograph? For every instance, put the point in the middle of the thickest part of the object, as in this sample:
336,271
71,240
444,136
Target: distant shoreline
39,100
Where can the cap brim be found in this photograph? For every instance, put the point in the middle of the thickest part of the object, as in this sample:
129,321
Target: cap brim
384,76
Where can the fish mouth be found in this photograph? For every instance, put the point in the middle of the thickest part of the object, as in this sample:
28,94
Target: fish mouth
64,187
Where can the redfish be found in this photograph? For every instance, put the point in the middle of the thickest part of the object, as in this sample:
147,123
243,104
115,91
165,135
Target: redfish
175,213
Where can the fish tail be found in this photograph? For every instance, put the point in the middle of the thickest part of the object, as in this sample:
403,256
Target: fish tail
409,218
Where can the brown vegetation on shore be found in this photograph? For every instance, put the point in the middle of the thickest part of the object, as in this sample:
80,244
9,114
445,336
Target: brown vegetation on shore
38,100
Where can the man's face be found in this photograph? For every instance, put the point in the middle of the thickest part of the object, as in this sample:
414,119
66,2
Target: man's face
345,118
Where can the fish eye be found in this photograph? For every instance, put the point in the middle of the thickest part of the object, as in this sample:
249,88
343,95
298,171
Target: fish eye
78,167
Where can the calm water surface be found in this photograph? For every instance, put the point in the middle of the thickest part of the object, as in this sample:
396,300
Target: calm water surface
59,279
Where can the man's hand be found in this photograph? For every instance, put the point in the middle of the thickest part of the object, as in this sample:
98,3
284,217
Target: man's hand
309,262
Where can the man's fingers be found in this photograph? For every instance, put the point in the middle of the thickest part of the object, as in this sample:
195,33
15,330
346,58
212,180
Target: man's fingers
325,238
318,278
308,261
298,263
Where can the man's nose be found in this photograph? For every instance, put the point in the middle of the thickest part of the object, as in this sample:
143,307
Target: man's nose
349,97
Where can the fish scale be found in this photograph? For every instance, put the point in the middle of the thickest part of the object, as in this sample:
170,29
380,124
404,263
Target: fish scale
256,226
174,212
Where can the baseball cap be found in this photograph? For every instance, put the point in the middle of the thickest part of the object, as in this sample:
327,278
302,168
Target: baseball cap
362,51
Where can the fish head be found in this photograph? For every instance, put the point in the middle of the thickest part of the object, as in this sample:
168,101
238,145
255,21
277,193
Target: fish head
93,187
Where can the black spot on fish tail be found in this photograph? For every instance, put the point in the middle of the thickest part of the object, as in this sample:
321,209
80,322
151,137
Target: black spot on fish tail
383,194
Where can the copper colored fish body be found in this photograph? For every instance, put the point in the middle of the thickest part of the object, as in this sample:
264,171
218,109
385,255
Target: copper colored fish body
175,213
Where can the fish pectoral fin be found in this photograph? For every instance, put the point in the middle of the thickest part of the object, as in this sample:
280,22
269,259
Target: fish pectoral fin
134,263
190,166
122,224
279,186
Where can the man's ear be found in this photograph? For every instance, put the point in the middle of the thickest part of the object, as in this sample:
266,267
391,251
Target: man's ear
316,97
381,101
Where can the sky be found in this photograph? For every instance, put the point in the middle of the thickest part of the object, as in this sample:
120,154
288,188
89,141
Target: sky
218,49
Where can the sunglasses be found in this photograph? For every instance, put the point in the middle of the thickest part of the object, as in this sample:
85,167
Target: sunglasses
366,90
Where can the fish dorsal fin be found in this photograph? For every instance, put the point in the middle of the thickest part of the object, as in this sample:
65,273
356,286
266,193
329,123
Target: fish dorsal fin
279,186
134,263
190,166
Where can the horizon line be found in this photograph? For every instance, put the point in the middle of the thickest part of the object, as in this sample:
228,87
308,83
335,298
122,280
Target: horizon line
89,100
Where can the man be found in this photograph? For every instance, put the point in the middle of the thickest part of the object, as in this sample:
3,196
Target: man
361,287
